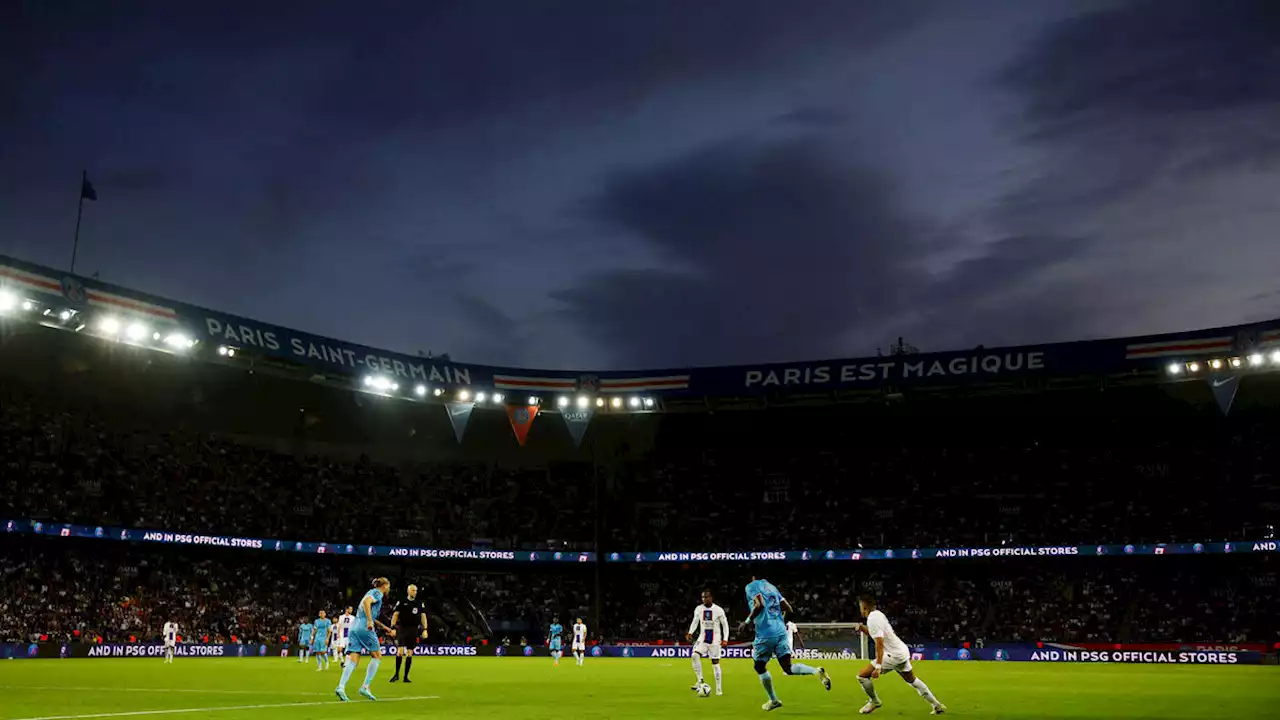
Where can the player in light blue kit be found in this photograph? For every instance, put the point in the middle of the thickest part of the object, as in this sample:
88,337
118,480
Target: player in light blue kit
555,639
304,639
364,638
767,606
320,641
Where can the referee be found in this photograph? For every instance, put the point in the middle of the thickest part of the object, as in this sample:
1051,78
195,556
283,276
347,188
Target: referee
410,622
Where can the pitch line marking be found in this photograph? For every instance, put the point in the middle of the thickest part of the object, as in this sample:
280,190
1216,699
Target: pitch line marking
160,690
177,711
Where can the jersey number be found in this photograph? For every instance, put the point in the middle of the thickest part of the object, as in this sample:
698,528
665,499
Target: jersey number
771,605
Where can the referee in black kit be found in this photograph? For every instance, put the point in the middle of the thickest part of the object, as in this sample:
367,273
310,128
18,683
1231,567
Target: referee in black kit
410,621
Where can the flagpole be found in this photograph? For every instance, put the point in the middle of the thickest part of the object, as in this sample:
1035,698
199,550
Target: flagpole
75,244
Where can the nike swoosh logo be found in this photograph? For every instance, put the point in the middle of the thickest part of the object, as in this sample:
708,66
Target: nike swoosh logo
1219,382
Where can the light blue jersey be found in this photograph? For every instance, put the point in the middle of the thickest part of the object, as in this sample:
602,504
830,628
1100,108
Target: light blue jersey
556,631
362,622
769,623
319,640
304,633
362,638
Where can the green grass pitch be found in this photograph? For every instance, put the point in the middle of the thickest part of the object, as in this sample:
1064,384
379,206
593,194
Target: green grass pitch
531,688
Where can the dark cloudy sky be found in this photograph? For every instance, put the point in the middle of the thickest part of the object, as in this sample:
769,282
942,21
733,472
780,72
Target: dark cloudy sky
625,183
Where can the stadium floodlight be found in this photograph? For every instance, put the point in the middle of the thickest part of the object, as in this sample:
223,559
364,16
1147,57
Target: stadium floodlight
178,341
617,402
533,400
480,397
65,315
583,401
1216,364
463,395
1235,362
231,352
155,336
1193,367
634,402
222,350
438,392
1275,357
562,401
497,399
28,305
420,390
599,402
136,331
1256,359
109,325
368,379
1175,369
8,301
648,402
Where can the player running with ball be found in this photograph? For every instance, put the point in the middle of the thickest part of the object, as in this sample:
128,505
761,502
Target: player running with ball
767,606
891,655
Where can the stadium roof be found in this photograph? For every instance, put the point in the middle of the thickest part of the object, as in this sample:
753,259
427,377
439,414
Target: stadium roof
58,299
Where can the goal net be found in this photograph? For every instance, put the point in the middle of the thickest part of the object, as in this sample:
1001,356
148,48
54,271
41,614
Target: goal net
829,641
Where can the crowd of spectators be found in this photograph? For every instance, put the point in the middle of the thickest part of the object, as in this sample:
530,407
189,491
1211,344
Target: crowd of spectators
1135,465
82,591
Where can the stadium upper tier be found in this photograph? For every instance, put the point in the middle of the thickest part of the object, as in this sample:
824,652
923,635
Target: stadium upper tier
87,306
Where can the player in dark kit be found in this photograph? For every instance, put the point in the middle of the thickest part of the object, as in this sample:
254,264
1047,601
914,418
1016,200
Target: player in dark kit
410,622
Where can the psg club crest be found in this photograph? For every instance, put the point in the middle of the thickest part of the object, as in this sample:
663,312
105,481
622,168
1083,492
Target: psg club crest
915,554
73,290
589,383
1128,549
97,532
596,651
1197,548
613,556
559,556
888,554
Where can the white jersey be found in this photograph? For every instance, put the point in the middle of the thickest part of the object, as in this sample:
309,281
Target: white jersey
709,626
791,634
171,633
579,636
344,626
878,627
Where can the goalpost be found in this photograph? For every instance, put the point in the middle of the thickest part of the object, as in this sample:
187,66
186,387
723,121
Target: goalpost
831,641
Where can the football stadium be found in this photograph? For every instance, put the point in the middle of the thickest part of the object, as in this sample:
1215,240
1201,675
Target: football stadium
207,515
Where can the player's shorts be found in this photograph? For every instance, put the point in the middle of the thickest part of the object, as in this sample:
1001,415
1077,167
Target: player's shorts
707,650
765,648
170,643
363,641
319,648
340,642
579,647
555,645
896,663
408,637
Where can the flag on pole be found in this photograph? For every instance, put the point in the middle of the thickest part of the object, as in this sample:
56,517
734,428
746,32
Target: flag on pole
86,190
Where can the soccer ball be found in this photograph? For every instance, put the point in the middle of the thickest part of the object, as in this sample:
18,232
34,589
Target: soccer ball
704,690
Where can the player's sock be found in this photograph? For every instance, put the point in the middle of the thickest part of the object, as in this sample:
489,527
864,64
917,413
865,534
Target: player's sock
924,691
346,675
697,667
767,681
715,669
408,665
373,670
320,661
802,669
399,664
869,688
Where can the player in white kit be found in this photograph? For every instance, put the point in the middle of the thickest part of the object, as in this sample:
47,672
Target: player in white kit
340,637
891,655
711,628
579,641
170,640
793,632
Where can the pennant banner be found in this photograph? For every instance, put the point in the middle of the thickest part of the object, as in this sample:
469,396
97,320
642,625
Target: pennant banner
577,422
1224,391
521,417
459,414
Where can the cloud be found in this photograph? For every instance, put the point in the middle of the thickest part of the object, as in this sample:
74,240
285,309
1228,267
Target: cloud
1152,58
767,251
1154,123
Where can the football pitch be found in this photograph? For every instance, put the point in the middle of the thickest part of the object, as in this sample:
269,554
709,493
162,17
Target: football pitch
526,688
